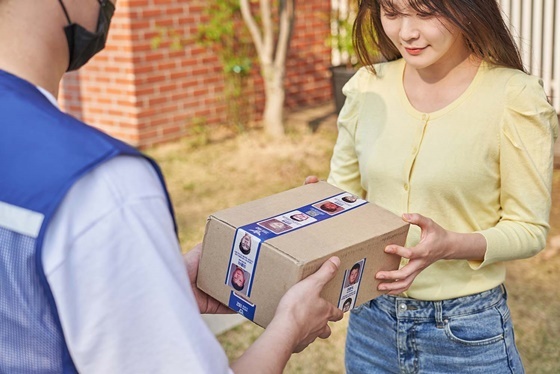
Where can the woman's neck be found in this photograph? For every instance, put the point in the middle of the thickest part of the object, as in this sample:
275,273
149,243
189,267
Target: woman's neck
432,89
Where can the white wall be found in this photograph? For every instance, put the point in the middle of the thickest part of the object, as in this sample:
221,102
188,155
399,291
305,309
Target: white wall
535,25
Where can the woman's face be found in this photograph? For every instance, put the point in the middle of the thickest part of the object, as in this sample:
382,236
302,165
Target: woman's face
424,40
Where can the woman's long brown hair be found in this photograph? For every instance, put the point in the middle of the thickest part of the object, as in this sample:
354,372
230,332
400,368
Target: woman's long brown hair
480,22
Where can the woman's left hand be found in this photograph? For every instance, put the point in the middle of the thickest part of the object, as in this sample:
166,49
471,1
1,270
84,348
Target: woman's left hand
435,244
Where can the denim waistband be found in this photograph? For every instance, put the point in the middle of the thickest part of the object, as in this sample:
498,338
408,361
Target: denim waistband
405,308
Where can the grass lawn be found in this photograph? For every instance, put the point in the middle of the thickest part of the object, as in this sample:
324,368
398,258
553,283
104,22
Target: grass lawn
212,171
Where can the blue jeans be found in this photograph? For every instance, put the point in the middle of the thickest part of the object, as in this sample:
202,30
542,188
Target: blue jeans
470,334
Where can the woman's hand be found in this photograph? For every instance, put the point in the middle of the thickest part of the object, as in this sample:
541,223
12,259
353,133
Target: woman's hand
311,179
435,244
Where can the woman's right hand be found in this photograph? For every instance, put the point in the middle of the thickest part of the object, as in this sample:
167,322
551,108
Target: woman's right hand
311,179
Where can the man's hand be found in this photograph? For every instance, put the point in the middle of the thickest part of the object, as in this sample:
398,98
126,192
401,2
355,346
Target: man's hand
303,313
301,317
206,304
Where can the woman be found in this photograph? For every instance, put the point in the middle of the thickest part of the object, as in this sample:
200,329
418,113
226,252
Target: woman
453,135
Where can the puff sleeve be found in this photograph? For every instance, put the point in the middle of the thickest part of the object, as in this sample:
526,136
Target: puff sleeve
528,131
344,168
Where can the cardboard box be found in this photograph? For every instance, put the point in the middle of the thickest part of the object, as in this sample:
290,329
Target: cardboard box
253,253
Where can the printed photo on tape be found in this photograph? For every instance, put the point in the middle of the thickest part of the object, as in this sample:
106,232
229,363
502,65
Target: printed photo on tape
239,279
347,304
329,207
275,225
245,244
299,217
350,199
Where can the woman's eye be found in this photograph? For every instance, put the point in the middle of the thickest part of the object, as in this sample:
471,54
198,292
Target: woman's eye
390,15
424,15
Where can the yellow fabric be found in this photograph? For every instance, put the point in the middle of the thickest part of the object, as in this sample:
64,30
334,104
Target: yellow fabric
482,164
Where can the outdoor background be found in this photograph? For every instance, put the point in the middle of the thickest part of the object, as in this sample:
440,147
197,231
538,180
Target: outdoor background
215,170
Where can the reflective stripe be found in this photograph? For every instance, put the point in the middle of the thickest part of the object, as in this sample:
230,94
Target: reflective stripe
20,220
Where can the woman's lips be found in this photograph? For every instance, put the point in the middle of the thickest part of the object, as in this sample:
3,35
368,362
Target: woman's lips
414,51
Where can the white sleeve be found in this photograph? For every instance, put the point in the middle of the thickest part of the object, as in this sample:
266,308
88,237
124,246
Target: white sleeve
116,272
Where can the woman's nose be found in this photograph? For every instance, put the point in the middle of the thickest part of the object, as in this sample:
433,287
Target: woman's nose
409,29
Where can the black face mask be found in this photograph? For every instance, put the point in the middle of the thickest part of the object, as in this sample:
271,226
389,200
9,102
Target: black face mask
83,44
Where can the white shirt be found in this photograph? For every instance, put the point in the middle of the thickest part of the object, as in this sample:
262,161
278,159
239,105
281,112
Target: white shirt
115,269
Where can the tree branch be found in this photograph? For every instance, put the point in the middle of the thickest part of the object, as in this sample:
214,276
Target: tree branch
252,26
268,30
286,10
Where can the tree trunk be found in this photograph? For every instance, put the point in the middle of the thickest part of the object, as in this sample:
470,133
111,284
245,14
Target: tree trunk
272,56
273,117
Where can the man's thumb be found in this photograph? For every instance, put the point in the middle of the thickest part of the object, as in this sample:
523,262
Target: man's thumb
327,271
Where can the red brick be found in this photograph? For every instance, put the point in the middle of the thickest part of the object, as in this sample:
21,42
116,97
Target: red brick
147,96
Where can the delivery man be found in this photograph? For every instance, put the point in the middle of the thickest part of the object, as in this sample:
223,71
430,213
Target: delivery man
91,275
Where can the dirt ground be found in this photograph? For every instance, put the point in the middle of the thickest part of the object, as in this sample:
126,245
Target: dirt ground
212,170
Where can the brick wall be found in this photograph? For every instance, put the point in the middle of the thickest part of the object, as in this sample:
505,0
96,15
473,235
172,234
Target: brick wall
146,95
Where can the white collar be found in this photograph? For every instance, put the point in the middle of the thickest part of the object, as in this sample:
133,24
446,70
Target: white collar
48,95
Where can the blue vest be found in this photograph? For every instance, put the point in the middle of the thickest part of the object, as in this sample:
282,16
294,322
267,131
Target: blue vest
43,152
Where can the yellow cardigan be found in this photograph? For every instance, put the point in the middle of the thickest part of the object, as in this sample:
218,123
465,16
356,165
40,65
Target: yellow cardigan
481,164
